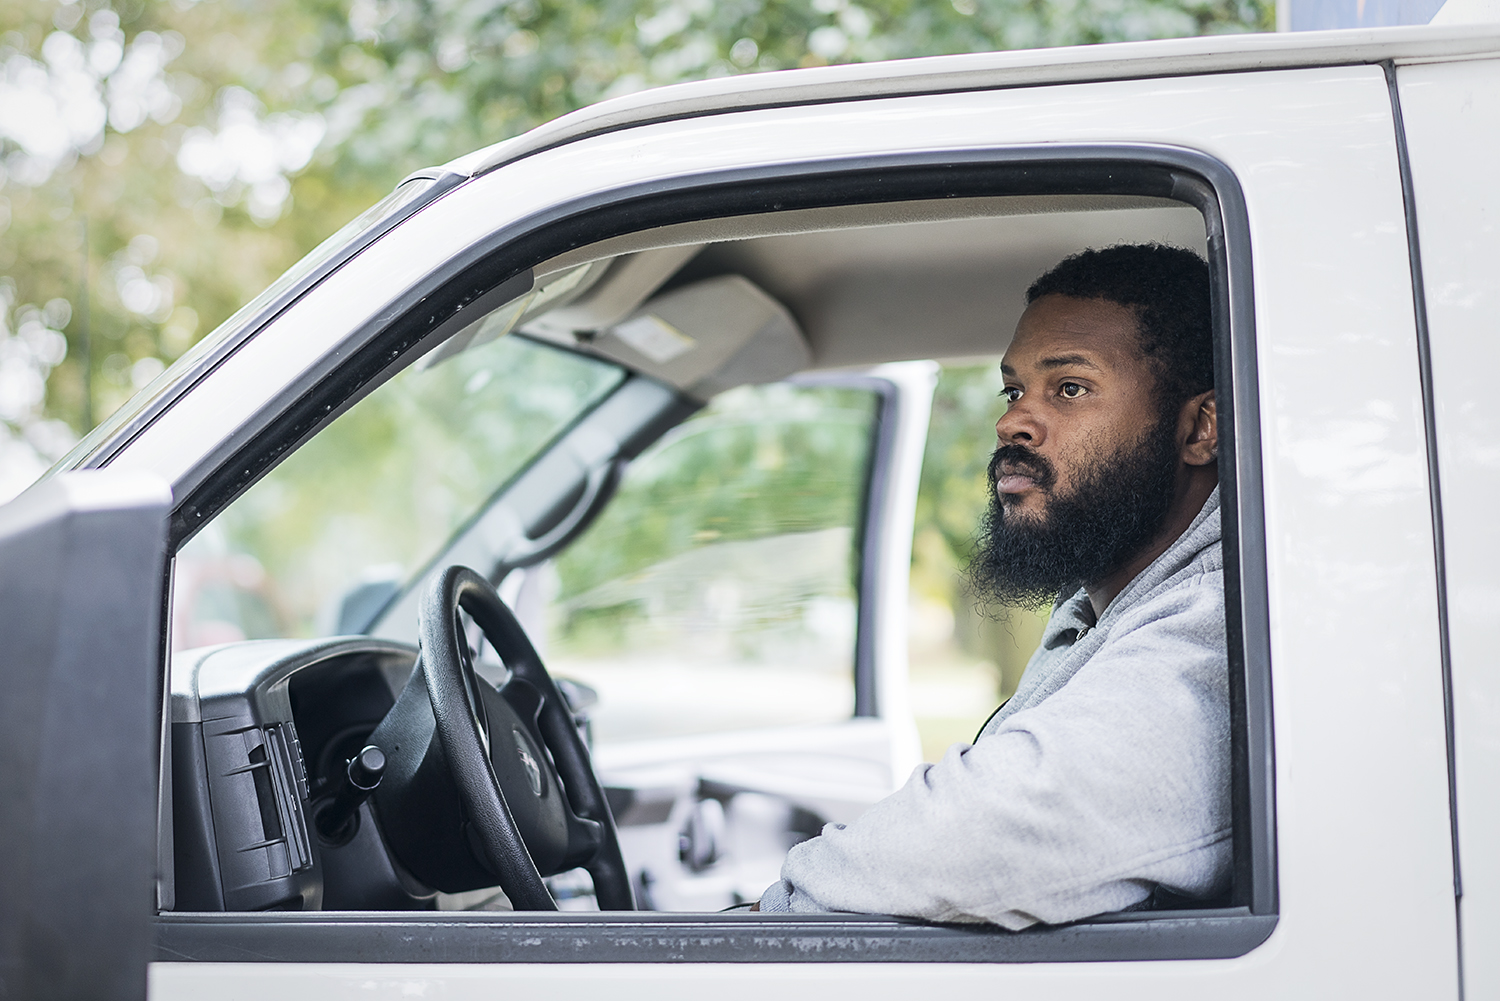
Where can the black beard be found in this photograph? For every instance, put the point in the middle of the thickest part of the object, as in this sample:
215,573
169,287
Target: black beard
1116,508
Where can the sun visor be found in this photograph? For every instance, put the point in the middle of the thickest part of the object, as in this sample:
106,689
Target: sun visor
602,301
708,337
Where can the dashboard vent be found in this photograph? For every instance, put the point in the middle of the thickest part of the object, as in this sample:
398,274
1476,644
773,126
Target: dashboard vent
288,793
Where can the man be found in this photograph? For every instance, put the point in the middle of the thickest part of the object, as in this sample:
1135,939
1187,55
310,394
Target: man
1105,778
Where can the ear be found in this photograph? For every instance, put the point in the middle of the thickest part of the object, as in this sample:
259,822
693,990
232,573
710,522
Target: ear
1198,424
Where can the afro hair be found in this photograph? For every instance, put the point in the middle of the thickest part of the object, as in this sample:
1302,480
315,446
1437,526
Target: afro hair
1168,290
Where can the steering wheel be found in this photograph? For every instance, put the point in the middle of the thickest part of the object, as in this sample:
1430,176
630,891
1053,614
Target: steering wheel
498,777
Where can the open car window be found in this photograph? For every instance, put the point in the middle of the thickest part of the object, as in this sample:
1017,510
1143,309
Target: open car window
317,546
639,585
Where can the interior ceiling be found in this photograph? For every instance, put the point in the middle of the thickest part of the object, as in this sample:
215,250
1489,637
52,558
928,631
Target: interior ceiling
929,290
942,279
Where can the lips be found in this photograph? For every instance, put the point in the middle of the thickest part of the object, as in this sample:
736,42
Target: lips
1014,483
1013,470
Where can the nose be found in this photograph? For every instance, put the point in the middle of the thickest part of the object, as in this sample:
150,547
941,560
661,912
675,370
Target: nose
1019,426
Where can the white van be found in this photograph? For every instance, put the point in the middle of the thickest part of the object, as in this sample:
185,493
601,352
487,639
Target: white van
660,370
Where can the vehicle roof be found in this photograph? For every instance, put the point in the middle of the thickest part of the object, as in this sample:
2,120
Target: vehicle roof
990,70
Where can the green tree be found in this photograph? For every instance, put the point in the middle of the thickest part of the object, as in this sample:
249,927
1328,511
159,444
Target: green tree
161,161
145,156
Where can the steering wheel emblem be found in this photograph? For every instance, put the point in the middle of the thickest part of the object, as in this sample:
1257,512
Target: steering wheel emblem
528,761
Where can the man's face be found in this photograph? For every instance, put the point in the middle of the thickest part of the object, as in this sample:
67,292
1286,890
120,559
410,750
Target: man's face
1086,461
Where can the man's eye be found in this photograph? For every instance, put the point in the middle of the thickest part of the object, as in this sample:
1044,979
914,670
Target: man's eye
1010,394
1071,391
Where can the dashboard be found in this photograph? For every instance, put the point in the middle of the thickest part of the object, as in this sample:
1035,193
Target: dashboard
260,734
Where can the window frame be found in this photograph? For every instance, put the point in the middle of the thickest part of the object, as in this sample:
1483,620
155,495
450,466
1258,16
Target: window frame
1178,173
874,559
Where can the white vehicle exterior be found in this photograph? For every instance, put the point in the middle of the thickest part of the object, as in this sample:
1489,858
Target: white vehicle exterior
1365,161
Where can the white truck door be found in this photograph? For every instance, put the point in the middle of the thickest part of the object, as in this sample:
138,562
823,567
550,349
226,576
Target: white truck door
1330,522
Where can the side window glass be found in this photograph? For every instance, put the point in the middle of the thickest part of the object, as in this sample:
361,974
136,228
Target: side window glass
718,591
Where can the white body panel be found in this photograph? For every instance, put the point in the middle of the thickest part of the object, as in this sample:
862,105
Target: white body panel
1166,57
1361,790
1452,117
1249,977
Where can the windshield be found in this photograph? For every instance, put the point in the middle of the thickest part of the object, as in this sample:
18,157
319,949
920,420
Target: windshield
367,220
320,544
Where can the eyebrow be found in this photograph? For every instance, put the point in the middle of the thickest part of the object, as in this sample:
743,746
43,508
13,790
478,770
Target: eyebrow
1063,361
1057,361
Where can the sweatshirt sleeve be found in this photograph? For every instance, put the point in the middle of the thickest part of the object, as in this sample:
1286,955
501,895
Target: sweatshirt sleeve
1077,806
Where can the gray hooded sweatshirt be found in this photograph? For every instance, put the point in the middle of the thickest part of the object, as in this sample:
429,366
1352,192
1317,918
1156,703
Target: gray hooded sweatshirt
1104,777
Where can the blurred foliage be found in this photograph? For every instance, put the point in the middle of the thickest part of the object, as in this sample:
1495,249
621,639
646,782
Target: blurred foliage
161,161
707,481
777,463
950,501
965,408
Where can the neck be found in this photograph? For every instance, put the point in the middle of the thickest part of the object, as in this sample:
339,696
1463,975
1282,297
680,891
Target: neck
1194,484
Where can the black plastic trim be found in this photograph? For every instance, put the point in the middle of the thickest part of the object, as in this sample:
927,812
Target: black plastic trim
411,324
873,562
1434,487
1241,498
1429,425
732,937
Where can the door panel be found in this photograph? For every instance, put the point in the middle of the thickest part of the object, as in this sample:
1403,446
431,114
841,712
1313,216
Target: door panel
1452,117
1360,767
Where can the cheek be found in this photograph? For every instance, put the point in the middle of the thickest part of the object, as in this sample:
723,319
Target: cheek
1082,451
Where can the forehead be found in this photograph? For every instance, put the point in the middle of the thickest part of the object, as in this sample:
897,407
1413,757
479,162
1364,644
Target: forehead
1096,331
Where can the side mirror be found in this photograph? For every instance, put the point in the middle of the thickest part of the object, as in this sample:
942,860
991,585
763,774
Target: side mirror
83,559
362,604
